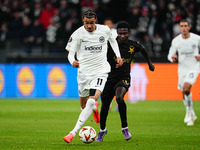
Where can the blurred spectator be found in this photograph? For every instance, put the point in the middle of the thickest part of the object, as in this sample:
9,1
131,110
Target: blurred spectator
153,24
3,39
36,10
110,24
157,45
26,10
134,20
47,13
3,36
72,23
65,11
143,22
147,43
5,11
197,27
37,35
15,25
26,37
86,4
15,5
51,36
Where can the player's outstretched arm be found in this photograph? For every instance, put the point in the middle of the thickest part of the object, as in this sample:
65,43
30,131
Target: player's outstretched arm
147,57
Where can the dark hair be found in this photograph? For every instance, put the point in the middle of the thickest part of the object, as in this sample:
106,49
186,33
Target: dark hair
89,14
184,20
123,24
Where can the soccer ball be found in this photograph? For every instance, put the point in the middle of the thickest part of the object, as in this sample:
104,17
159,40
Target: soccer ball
87,134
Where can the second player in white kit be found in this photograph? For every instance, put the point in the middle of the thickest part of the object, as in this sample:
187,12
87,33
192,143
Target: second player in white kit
186,45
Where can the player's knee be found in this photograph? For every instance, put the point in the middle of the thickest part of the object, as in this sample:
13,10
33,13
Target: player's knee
90,102
186,91
119,99
82,106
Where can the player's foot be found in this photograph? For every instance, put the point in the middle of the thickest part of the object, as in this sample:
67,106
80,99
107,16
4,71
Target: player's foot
68,138
187,117
101,135
96,115
194,117
127,134
190,123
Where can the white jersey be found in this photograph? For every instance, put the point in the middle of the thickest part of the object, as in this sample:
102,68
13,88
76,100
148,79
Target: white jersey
91,49
187,50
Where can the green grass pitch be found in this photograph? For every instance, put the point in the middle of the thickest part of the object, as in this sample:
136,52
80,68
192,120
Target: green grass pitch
40,125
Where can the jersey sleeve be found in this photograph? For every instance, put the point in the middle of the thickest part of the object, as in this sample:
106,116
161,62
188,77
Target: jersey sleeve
113,43
137,48
73,43
172,51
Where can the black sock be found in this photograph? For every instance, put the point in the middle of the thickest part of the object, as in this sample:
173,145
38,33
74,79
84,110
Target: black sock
122,112
103,117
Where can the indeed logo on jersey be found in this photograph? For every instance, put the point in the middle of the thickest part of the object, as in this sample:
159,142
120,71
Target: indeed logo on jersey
188,53
94,49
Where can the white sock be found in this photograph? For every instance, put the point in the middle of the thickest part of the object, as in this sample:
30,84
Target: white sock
94,108
104,130
84,115
188,100
125,128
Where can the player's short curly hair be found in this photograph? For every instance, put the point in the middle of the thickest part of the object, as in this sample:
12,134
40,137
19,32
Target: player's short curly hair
89,14
123,24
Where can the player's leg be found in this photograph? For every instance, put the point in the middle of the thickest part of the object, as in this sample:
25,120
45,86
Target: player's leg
94,95
96,87
85,113
83,102
181,81
188,80
106,100
190,115
120,92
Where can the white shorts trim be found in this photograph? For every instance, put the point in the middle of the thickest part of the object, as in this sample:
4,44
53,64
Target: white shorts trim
85,83
189,78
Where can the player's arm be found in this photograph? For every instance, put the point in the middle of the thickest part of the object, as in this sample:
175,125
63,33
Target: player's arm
147,57
115,48
71,47
71,58
198,58
198,55
172,56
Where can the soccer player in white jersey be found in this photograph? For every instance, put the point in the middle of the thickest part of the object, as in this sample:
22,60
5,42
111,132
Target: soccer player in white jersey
185,49
89,43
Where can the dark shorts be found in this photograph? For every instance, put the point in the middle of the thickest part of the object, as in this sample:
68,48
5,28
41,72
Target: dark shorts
112,84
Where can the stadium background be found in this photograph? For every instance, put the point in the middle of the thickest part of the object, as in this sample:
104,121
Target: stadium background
34,33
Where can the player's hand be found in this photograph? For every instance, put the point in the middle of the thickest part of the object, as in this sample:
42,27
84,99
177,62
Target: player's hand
119,62
174,58
198,58
151,67
75,64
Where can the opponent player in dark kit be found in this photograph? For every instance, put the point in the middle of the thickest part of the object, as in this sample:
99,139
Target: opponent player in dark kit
118,81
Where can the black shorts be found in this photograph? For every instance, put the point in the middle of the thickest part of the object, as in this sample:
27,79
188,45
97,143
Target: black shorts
112,84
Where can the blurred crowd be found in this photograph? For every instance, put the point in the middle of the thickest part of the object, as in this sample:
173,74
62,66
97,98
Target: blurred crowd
44,26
